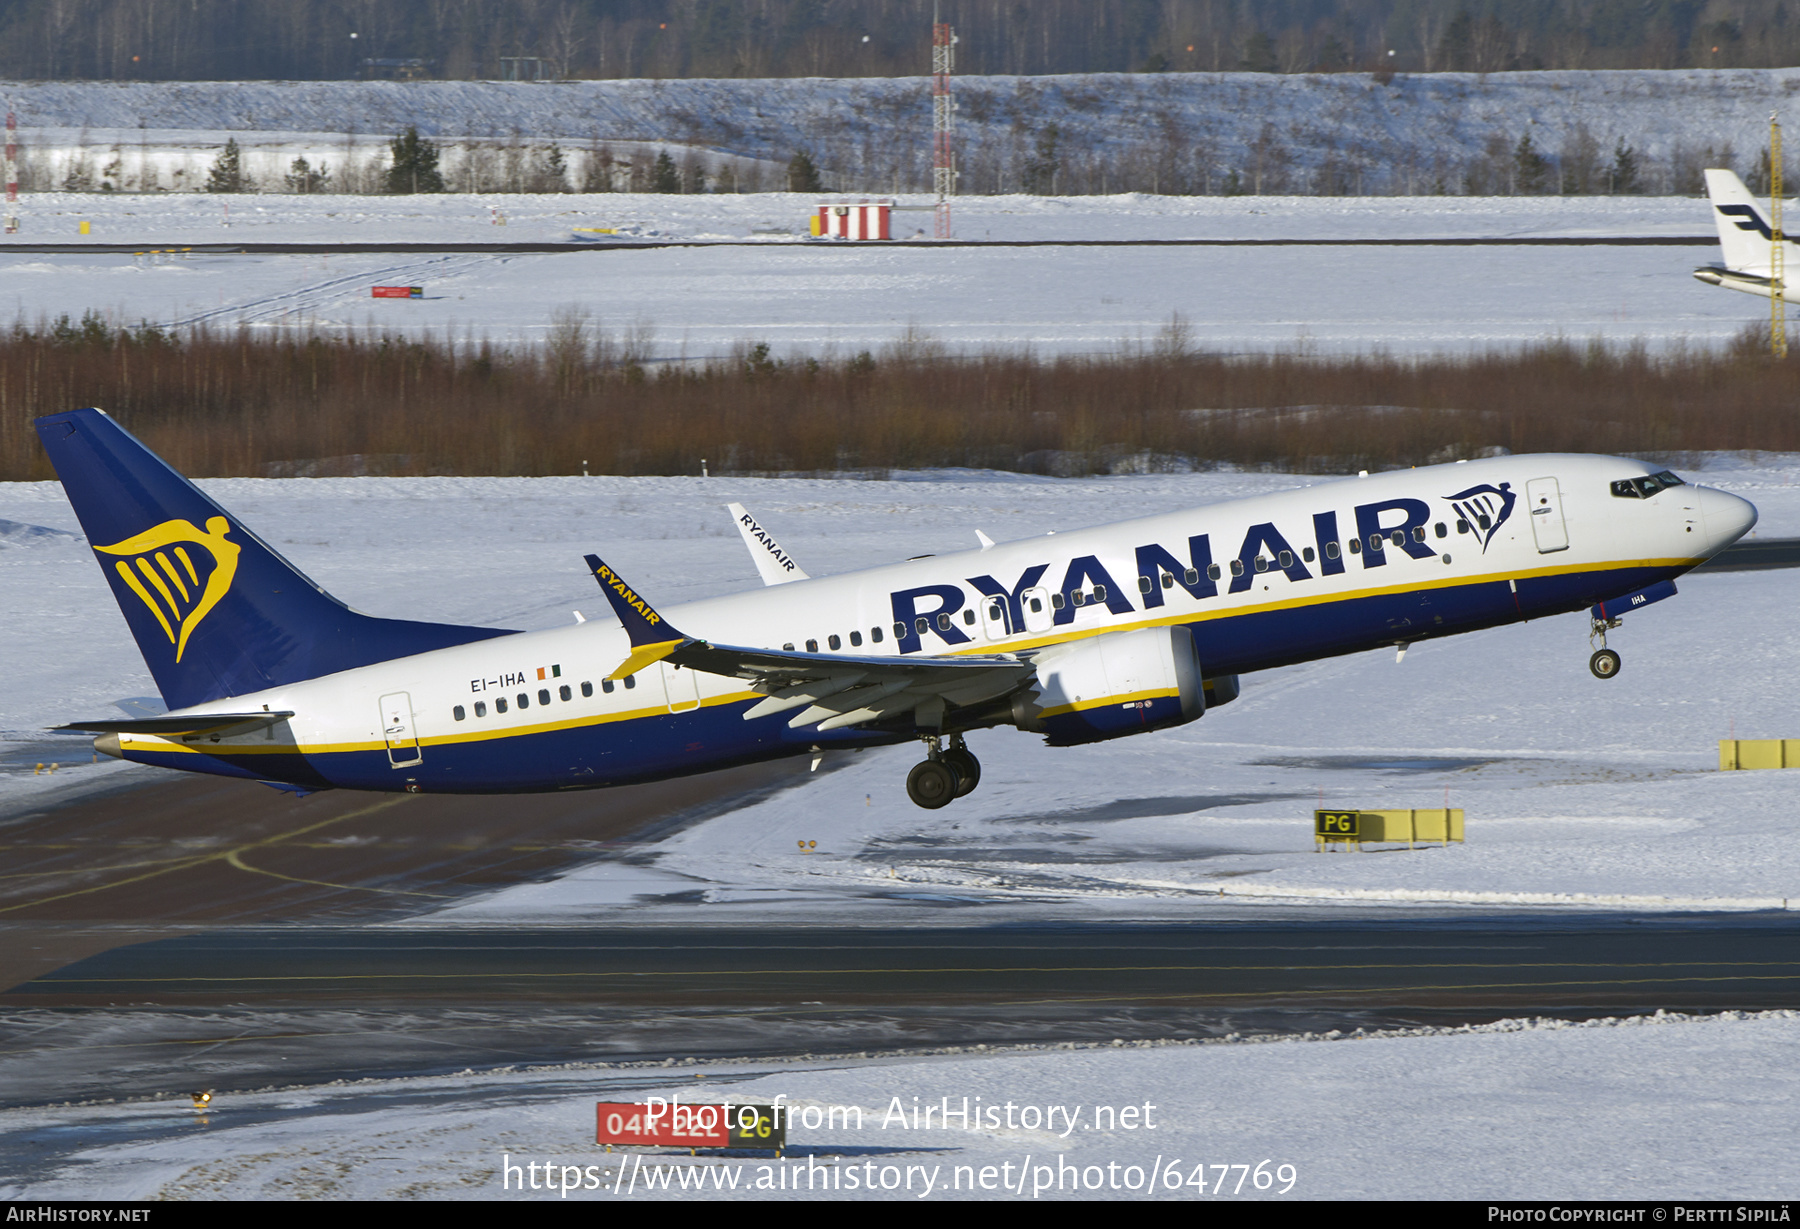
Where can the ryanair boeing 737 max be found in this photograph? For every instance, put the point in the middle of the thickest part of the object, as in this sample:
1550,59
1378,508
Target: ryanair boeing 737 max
1097,634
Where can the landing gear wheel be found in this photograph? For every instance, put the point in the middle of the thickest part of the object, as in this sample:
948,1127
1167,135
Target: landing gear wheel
932,784
1604,664
966,767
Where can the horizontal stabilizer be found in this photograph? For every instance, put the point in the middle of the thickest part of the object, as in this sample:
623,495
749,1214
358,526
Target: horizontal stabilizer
175,727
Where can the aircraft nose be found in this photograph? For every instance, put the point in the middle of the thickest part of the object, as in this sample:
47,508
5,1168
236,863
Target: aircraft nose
1725,518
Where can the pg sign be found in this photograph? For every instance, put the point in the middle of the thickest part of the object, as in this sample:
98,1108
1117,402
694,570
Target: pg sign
1337,825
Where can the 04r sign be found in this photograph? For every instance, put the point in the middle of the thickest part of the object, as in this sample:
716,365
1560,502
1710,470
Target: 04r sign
676,1124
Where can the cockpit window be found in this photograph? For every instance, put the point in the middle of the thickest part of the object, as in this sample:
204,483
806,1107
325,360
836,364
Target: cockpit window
1644,488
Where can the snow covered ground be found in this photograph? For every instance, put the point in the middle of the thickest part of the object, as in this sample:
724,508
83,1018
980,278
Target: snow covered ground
1579,794
759,280
1664,1108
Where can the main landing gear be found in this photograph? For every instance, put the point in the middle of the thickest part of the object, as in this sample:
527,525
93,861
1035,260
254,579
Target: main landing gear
1605,662
944,775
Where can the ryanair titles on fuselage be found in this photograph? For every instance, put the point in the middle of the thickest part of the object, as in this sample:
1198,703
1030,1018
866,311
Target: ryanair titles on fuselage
1401,522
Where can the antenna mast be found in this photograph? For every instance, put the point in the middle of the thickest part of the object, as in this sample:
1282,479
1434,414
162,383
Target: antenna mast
1777,246
12,174
943,121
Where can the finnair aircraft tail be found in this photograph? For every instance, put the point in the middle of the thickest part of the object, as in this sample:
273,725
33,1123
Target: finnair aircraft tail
1744,236
216,611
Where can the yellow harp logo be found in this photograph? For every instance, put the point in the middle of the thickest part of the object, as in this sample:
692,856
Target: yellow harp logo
165,577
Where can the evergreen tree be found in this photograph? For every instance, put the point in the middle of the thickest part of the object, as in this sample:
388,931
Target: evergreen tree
415,167
1624,175
665,178
1531,170
227,173
303,177
802,175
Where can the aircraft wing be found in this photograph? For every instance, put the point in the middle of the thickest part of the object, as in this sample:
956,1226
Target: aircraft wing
832,690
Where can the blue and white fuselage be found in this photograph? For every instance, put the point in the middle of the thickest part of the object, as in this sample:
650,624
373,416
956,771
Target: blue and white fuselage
1093,634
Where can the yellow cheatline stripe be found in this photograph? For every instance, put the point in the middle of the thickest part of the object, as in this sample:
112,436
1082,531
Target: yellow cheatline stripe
1209,612
1081,706
159,745
1203,614
644,655
222,855
238,862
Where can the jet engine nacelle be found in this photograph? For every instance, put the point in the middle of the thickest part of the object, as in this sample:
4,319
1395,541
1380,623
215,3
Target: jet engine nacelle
1113,685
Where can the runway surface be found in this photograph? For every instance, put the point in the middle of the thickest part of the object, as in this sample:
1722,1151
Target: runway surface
243,1008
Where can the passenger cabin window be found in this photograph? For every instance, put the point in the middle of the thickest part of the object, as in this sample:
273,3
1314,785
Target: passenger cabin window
1037,605
1374,541
1287,559
1145,584
1397,538
1418,533
875,634
1262,565
630,681
1192,576
969,617
834,642
1462,526
565,693
921,625
1099,593
481,708
1213,573
943,623
787,648
500,705
1307,554
900,630
524,701
1237,567
1440,530
812,646
544,695
587,689
1056,601
458,713
1355,546
606,685
1077,597
1331,550
855,640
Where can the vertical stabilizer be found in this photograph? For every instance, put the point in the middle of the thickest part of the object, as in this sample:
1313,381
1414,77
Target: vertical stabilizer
215,610
1744,231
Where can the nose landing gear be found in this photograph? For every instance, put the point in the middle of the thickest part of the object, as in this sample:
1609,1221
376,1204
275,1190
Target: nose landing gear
1605,662
944,775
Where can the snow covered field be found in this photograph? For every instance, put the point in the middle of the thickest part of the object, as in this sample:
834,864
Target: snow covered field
769,285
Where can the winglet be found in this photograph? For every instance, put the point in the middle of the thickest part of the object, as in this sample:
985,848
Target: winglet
774,565
652,637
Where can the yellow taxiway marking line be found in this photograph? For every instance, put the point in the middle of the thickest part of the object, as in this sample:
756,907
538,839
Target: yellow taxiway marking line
227,855
238,862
